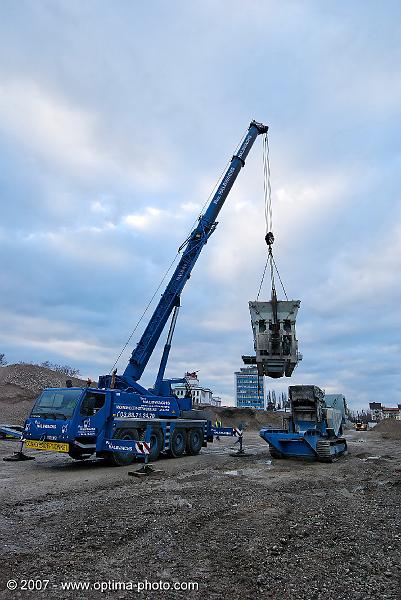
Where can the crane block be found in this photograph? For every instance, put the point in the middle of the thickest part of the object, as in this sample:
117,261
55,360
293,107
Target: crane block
275,342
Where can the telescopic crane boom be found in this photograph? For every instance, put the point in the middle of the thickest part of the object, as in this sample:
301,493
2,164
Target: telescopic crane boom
193,247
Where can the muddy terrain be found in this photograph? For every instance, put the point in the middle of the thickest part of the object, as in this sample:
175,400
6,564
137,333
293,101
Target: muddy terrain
238,527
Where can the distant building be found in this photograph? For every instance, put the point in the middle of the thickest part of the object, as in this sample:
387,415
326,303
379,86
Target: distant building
249,388
380,412
216,401
199,394
391,413
376,410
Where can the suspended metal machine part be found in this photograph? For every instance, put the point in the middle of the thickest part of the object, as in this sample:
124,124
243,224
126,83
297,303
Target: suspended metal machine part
273,321
275,343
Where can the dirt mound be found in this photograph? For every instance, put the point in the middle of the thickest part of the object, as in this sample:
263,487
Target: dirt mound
252,418
21,384
34,378
390,429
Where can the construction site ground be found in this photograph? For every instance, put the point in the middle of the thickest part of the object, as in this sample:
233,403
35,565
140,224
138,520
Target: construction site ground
238,527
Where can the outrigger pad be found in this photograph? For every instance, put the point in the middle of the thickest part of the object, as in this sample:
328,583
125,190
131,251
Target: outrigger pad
144,471
18,456
275,343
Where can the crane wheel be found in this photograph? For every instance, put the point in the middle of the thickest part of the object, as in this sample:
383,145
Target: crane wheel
156,444
178,443
123,459
194,441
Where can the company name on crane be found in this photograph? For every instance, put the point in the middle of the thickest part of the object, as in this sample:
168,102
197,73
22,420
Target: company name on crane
223,185
244,147
226,180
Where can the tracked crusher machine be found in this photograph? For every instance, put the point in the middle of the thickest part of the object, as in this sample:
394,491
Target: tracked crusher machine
313,429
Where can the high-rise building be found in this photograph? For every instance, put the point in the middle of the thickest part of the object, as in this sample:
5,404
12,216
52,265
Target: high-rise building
249,388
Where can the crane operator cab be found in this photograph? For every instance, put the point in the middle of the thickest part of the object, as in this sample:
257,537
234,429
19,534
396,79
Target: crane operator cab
275,343
67,420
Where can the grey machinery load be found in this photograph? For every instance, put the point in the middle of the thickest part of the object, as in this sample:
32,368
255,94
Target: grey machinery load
275,342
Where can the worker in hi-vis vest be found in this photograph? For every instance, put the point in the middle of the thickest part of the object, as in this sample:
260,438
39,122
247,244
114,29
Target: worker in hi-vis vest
217,426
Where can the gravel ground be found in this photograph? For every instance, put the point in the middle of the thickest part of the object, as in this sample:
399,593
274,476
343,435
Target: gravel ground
238,527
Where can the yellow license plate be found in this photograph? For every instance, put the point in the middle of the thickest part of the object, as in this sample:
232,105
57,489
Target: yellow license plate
51,446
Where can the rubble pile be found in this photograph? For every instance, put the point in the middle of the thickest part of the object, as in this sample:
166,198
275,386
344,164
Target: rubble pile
252,418
20,385
390,429
34,378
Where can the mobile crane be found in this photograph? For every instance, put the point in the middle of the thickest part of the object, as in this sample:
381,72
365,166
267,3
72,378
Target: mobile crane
120,419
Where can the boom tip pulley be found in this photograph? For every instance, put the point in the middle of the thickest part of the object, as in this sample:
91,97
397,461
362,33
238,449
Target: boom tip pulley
262,128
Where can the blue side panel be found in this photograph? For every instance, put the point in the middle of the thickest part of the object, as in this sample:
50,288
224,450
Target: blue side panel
291,444
225,432
312,444
126,404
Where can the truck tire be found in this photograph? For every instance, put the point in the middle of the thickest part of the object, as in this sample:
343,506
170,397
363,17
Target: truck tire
123,459
156,444
194,441
178,443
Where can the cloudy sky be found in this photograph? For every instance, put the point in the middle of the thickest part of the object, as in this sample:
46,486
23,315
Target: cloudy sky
116,119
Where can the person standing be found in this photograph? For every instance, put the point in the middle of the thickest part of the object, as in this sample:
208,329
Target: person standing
217,425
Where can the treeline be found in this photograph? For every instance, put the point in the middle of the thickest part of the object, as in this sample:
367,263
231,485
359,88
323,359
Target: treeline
364,416
277,402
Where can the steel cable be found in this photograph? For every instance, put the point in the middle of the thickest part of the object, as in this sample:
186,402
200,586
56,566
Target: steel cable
268,207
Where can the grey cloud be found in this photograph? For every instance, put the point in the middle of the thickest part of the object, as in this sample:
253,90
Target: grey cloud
159,96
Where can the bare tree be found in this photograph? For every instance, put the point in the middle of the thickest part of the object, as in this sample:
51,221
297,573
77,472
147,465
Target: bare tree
65,369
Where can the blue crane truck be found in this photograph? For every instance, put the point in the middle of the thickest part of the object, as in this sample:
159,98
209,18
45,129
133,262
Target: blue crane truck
120,419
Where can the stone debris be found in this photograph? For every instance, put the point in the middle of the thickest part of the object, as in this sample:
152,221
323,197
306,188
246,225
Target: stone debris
389,429
21,384
34,378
